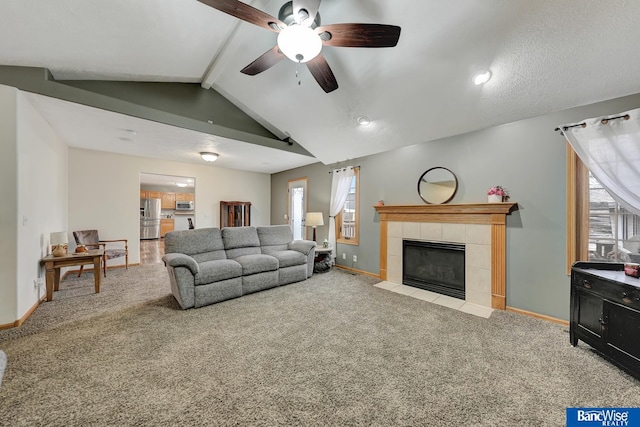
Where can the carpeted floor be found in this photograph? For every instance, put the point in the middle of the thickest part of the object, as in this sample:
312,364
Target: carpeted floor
332,350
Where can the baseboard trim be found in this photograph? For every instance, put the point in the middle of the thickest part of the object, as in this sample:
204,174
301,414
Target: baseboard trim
25,317
538,316
353,270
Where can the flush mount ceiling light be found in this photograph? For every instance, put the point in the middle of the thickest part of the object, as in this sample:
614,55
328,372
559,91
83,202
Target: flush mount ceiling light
299,43
209,157
482,77
364,121
181,184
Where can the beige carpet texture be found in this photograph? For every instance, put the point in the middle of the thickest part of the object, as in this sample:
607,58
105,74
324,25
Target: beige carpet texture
330,351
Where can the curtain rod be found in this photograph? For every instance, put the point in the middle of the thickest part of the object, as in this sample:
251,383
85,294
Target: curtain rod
344,169
603,121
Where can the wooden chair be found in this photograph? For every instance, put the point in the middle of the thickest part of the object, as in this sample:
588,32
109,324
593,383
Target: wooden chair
91,240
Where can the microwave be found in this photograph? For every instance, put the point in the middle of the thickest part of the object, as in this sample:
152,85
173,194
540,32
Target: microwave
184,206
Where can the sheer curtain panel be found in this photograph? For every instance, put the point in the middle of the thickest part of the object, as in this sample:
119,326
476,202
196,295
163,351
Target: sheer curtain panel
340,183
610,148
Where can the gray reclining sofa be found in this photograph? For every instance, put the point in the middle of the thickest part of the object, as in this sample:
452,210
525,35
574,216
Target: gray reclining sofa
210,265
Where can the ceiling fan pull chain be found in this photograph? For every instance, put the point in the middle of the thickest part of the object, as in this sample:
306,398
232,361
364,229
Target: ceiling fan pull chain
297,75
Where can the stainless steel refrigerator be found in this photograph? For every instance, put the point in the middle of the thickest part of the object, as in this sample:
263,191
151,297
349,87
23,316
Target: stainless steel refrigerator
149,219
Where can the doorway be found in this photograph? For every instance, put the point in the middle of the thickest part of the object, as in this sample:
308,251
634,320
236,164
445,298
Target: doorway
297,207
167,203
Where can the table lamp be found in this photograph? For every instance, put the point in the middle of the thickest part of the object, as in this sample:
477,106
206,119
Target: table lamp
59,242
314,219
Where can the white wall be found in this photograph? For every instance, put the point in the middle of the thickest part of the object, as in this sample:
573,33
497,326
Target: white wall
33,183
104,193
42,197
8,211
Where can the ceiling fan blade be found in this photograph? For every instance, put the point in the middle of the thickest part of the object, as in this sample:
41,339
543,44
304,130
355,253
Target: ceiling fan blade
247,13
311,6
321,71
360,35
264,62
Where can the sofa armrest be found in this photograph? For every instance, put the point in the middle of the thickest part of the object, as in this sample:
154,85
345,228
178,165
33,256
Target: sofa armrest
303,246
181,260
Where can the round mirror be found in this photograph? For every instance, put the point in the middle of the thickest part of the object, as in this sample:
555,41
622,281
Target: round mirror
437,185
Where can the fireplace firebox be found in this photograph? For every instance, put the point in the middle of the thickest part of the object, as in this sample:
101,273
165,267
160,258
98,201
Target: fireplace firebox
434,266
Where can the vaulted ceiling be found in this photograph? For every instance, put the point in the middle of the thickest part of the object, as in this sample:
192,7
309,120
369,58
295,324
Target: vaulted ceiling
544,55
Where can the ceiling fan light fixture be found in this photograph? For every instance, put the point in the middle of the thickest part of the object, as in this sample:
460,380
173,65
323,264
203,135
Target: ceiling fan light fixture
482,77
299,43
209,157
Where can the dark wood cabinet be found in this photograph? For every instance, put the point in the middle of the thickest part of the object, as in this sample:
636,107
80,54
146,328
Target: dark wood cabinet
605,312
235,214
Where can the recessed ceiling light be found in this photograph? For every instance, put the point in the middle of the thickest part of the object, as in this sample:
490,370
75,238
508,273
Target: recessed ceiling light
181,184
209,157
364,121
482,77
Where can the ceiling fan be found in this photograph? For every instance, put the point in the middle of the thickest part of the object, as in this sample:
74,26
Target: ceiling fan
301,37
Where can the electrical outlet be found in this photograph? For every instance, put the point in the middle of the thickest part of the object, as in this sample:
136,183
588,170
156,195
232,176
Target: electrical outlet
355,258
38,282
344,256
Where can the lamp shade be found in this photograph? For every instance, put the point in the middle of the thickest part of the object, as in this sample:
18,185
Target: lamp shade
313,219
59,238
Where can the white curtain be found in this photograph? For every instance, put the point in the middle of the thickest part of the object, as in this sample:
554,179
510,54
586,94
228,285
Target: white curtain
340,184
610,148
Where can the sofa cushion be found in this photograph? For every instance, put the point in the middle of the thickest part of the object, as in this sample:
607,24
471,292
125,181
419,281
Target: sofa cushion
202,244
274,238
217,270
257,263
240,241
289,258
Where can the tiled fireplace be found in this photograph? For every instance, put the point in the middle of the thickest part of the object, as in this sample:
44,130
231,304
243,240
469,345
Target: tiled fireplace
481,227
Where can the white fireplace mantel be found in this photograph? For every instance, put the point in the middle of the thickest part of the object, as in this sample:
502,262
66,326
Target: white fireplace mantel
491,214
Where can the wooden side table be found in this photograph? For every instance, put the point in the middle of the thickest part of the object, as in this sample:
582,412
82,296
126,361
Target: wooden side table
53,264
323,261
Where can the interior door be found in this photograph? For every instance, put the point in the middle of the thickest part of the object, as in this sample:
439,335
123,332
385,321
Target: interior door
297,207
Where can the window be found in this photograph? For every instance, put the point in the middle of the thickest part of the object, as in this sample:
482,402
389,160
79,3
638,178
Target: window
598,228
347,229
613,231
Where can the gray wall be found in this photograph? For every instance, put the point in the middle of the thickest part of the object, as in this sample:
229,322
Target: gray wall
526,157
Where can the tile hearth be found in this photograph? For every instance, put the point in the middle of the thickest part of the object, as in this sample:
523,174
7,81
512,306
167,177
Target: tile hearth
435,298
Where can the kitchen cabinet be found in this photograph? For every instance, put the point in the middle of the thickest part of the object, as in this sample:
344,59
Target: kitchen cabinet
185,197
605,312
166,225
168,200
147,194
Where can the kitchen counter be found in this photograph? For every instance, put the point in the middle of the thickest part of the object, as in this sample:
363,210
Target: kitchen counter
182,220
